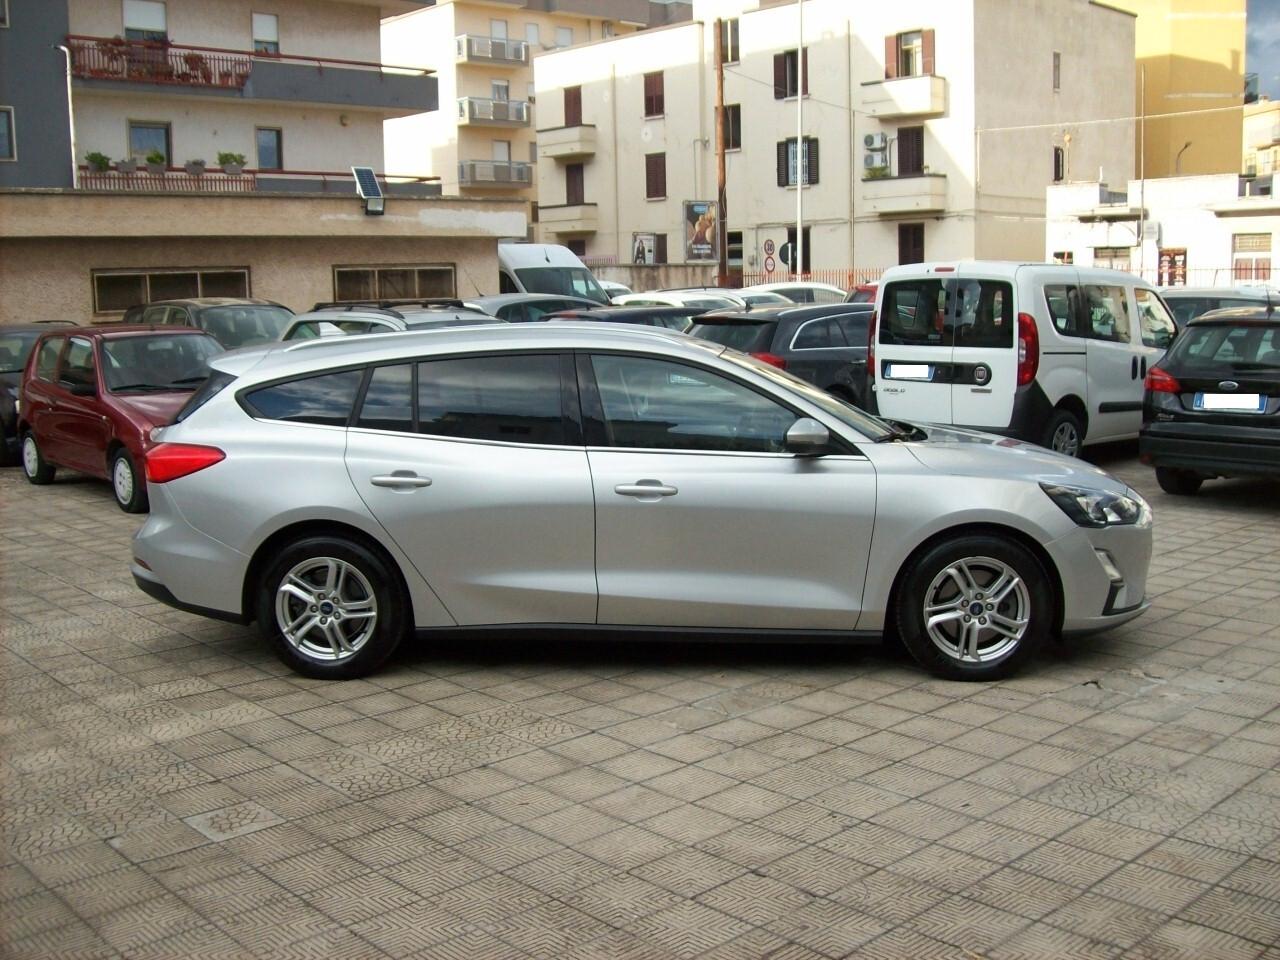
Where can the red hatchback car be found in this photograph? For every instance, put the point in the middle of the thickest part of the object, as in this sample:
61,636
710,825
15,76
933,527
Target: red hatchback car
91,395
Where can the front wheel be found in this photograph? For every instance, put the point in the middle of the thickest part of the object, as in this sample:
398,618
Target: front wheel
129,488
34,466
974,608
332,608
1181,483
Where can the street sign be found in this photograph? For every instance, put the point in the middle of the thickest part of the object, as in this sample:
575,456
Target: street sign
769,265
788,256
768,248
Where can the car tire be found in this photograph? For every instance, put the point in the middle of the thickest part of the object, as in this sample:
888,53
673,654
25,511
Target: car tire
1181,483
950,629
34,466
1064,433
129,488
315,578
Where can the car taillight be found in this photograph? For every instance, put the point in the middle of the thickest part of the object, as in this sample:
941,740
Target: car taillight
1159,381
170,461
772,359
1028,349
871,344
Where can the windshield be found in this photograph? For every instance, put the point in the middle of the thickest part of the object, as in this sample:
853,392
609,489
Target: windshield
167,361
1242,347
758,299
870,427
565,281
242,326
749,336
14,350
1186,309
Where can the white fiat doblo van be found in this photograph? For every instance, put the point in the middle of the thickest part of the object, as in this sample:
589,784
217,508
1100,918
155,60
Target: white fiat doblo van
1043,352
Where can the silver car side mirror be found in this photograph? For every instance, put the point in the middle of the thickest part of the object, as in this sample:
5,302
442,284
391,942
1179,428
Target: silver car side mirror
808,438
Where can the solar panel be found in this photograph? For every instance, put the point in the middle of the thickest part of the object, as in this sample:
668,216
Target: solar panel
366,183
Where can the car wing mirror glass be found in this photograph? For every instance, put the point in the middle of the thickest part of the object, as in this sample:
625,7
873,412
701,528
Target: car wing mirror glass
808,438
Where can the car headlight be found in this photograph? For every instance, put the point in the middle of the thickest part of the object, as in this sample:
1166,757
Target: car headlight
1097,508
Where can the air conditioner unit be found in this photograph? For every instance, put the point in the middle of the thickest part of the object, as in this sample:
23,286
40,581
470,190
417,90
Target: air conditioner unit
1151,231
872,160
875,141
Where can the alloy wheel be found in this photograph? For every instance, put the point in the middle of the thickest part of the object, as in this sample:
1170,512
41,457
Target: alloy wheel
326,609
977,610
1066,439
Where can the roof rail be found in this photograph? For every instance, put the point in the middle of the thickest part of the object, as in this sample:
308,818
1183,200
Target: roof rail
390,304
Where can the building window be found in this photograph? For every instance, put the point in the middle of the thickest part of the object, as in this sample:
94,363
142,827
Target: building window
789,75
787,161
531,36
606,29
145,20
498,29
564,36
8,148
911,243
909,54
1111,258
654,98
790,257
266,33
655,176
734,243
407,282
1064,256
500,151
1251,256
573,106
147,138
574,188
115,291
729,40
499,89
910,151
1059,164
1057,71
1173,268
270,142
659,248
733,126
577,247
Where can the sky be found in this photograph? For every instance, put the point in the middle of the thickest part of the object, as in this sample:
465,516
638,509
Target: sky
1263,54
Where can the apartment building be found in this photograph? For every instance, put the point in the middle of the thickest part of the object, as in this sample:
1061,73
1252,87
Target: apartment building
168,148
1261,156
481,142
930,130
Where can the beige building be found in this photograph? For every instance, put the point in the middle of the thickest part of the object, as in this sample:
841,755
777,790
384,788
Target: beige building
1261,154
480,143
931,130
156,150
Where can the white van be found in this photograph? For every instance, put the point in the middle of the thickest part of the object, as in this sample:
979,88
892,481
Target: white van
545,268
1043,352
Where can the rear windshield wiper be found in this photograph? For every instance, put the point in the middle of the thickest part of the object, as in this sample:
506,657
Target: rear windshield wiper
184,381
139,386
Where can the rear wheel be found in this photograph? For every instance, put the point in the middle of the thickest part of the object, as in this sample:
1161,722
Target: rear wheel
1181,483
1064,433
34,466
130,489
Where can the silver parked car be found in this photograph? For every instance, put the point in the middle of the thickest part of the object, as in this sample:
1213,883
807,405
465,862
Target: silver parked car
346,492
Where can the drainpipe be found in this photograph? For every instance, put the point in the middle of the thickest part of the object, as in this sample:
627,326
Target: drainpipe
71,120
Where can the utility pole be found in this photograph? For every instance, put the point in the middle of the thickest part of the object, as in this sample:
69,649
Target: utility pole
801,160
722,213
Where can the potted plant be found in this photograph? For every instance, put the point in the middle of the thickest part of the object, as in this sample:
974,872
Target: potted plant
877,173
156,162
127,165
194,168
232,163
98,162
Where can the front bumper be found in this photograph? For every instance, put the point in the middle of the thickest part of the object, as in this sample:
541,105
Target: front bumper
1104,576
1212,449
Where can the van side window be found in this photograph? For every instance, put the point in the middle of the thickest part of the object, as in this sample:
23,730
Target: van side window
1108,312
1064,307
985,314
505,283
915,312
1154,322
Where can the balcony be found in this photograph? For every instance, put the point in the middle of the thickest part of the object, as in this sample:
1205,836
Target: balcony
569,218
1262,139
905,97
481,111
136,66
492,51
925,193
495,173
567,143
217,181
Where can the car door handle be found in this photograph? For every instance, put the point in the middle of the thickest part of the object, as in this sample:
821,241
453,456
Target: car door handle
400,480
646,489
1143,369
1133,369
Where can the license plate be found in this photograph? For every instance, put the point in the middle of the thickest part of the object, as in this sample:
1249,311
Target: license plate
1238,402
909,371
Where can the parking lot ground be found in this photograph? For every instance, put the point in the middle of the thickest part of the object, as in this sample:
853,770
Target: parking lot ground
169,790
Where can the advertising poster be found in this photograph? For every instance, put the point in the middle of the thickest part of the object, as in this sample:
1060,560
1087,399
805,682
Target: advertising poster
644,248
699,231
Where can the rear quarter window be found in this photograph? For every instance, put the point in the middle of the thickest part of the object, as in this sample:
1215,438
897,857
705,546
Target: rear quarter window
749,337
325,399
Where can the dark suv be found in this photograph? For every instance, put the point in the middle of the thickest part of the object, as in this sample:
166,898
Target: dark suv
825,344
232,321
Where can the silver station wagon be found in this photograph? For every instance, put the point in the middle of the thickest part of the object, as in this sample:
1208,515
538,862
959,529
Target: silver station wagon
348,493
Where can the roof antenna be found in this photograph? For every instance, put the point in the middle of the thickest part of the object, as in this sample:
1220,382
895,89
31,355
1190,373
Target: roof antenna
546,255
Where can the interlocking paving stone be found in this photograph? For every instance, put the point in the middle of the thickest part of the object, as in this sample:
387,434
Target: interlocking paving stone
168,789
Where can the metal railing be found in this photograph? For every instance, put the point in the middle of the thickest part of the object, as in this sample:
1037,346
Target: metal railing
512,172
493,111
492,49
216,180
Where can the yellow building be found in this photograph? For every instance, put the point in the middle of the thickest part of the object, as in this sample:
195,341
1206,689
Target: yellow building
1192,52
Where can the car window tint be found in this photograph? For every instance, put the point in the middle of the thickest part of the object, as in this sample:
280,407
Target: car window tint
154,314
657,404
1243,348
915,312
984,317
748,336
325,399
388,401
1064,308
77,366
47,359
1154,322
514,399
854,328
818,335
1108,312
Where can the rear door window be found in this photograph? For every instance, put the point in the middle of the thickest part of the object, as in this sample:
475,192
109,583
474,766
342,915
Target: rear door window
511,399
1107,312
1154,322
822,334
1063,300
749,336
854,327
78,366
915,314
325,399
984,314
388,400
47,358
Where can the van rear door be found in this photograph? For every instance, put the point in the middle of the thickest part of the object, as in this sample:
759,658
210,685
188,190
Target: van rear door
984,360
914,348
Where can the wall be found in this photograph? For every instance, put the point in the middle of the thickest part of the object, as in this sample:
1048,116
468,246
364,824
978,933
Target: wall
1262,137
33,82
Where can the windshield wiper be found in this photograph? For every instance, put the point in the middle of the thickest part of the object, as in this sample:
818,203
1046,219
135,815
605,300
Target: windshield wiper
901,431
183,381
139,386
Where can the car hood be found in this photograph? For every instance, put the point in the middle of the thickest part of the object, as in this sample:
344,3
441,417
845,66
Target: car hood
153,409
971,453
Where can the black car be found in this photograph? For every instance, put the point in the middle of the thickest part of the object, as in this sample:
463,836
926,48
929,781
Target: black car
825,344
16,341
645,315
1212,403
232,321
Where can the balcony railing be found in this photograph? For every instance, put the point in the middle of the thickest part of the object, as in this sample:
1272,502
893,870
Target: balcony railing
216,180
495,173
485,111
492,50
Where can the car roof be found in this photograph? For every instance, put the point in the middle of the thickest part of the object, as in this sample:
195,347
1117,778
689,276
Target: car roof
1004,269
210,302
635,310
108,331
807,311
1265,313
43,326
502,299
775,286
1236,293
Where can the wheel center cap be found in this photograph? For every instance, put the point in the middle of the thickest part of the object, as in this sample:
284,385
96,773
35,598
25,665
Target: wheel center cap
975,608
326,608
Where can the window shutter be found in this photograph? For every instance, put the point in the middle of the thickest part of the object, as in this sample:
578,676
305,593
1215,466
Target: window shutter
811,159
890,58
782,163
655,175
573,106
926,52
779,76
653,95
803,54
659,248
574,191
910,151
